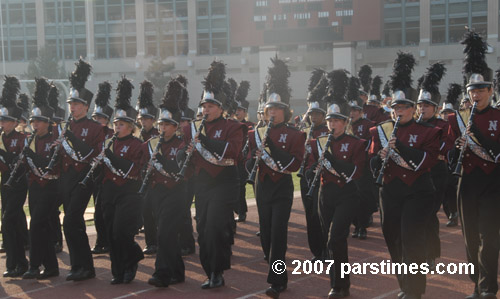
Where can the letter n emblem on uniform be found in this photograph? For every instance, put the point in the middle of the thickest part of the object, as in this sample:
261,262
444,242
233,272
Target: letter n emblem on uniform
413,138
344,147
85,132
47,147
217,133
173,151
360,129
283,138
124,149
13,142
493,125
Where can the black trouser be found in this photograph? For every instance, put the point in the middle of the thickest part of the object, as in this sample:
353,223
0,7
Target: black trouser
337,207
13,217
274,203
100,227
75,201
450,195
368,201
479,203
439,177
149,221
317,243
215,198
55,221
121,206
242,207
186,238
168,205
405,211
42,203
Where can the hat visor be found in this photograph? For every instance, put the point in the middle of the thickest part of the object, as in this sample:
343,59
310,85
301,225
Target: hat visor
213,101
402,101
42,118
100,114
428,101
168,120
336,116
316,110
69,100
124,118
356,107
7,117
277,104
478,85
146,115
447,110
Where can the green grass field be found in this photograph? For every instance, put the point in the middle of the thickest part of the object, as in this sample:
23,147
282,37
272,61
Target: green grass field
296,186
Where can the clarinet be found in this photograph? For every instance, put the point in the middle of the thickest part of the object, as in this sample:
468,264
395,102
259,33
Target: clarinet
319,168
380,177
53,160
149,170
19,161
303,165
182,172
253,173
96,162
458,168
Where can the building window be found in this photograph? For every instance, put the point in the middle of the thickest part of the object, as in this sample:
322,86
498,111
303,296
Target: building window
449,18
401,23
213,32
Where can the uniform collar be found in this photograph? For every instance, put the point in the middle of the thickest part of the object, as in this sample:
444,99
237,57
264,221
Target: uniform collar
407,124
11,134
484,110
125,138
279,125
80,120
215,120
340,137
315,128
44,136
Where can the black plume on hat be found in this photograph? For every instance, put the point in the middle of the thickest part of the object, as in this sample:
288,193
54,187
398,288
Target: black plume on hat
432,77
277,79
42,88
11,88
103,94
182,79
53,97
80,75
316,76
214,82
497,81
376,86
145,99
24,102
242,93
230,88
353,91
318,93
387,89
401,71
454,94
123,94
365,77
475,56
262,98
184,101
339,82
173,94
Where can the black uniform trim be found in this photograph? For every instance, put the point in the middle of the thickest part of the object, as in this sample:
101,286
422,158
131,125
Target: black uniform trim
78,145
216,147
280,156
414,157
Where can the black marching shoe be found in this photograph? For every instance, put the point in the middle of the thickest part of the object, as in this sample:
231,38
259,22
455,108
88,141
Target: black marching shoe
83,274
174,280
157,282
47,273
473,296
9,273
257,233
58,247
274,290
216,280
187,251
412,296
453,220
116,280
355,233
242,217
487,295
130,273
150,249
206,284
100,249
362,234
31,274
338,293
401,294
72,274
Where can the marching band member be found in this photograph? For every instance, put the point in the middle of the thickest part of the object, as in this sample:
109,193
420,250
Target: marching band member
121,203
360,127
478,188
217,146
407,192
147,117
166,192
102,114
427,108
82,140
13,197
338,196
316,112
43,190
283,153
